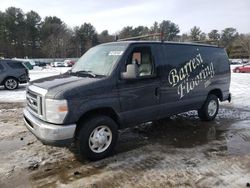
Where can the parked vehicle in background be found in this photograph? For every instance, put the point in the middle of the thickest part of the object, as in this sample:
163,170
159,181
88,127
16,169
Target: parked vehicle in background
68,63
28,65
242,69
12,73
58,64
245,62
117,85
27,62
232,62
40,64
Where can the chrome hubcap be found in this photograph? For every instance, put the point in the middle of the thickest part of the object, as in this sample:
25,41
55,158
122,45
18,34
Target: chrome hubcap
11,84
100,139
212,108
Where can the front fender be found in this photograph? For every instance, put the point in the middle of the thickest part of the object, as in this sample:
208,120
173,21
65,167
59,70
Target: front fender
77,109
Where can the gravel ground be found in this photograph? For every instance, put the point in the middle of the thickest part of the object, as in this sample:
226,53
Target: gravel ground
181,151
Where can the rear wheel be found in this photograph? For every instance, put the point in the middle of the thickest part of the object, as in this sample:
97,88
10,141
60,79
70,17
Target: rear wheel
11,83
237,70
209,109
97,138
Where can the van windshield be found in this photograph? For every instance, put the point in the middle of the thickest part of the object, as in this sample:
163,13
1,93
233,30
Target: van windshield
99,60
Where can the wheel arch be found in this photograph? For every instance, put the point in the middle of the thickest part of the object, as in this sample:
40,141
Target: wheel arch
106,111
217,92
10,77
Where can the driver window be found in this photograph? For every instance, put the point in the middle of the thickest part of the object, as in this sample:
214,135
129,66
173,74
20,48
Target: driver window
143,58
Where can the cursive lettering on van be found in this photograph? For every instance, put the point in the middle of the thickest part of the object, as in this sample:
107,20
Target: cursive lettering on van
181,78
176,76
189,84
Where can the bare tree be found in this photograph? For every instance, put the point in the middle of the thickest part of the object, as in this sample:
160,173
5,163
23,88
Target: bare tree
195,33
244,41
169,29
214,35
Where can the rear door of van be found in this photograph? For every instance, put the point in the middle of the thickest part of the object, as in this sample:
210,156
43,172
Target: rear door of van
139,99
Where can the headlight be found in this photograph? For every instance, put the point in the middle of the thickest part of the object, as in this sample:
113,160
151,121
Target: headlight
56,110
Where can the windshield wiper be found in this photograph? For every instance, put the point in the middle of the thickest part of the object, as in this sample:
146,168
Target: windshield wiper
86,72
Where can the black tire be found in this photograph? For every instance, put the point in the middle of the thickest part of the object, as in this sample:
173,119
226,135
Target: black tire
208,115
87,130
11,83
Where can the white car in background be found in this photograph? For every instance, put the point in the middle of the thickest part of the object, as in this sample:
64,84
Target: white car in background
58,64
69,63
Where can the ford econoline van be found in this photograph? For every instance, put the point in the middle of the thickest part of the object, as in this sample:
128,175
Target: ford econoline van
121,84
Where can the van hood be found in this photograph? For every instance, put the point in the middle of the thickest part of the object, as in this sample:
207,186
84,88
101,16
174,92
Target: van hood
73,87
62,80
68,86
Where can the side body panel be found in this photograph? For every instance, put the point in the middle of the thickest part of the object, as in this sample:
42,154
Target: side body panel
188,73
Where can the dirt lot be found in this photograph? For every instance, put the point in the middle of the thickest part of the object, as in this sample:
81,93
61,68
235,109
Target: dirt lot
181,151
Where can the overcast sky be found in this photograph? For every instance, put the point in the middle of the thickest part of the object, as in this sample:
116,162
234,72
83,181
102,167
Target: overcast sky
115,14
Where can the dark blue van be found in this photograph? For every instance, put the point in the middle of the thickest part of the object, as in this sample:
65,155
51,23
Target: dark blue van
121,84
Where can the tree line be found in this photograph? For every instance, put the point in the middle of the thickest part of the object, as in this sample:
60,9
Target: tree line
28,35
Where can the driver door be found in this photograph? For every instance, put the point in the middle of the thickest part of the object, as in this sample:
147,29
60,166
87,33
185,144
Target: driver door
139,98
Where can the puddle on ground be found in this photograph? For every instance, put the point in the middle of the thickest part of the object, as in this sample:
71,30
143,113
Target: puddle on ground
184,132
238,138
180,131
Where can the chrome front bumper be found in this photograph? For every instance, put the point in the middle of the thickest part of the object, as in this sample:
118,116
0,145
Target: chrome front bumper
49,133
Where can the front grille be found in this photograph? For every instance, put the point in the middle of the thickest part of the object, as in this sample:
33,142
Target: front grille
34,101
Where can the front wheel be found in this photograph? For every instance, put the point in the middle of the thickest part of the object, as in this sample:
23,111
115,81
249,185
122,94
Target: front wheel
97,137
209,109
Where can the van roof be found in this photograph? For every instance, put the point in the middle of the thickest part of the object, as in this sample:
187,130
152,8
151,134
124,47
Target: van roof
159,42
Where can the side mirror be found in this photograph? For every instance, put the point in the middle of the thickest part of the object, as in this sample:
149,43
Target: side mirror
132,72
